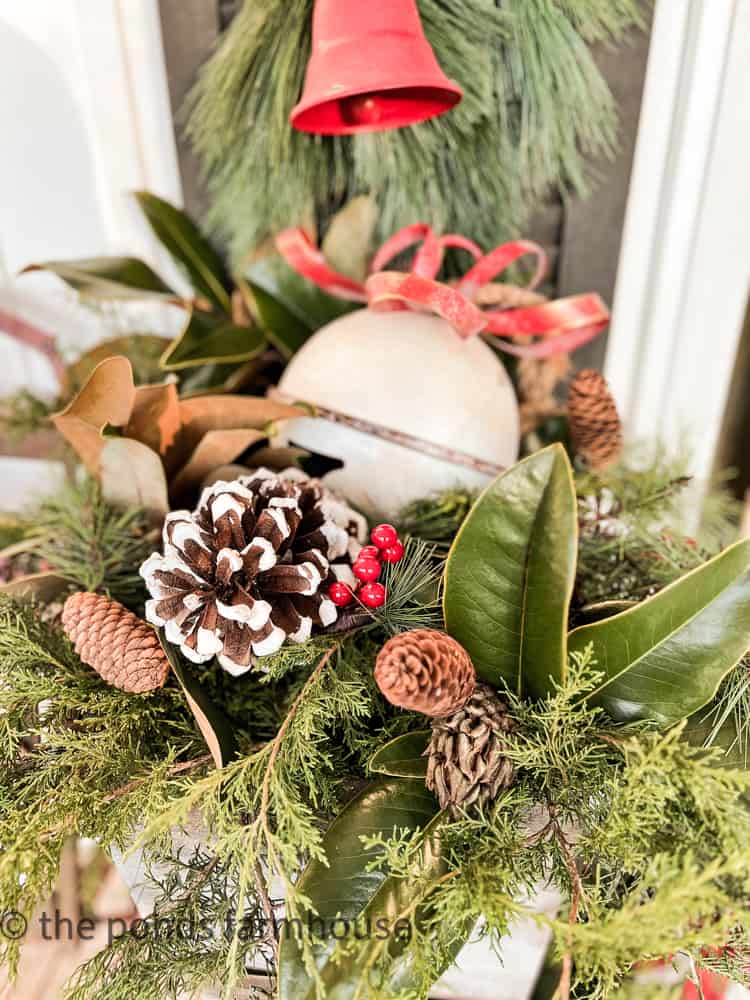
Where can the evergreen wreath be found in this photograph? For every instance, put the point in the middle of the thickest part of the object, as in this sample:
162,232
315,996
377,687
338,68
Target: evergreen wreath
621,778
535,104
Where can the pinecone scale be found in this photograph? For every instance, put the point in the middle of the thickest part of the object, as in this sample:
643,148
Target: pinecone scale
595,427
467,762
123,650
425,671
250,568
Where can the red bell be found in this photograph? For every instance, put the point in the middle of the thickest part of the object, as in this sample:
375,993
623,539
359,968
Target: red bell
371,69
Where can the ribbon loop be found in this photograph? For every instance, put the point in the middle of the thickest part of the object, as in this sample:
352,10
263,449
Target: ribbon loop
495,262
561,326
298,250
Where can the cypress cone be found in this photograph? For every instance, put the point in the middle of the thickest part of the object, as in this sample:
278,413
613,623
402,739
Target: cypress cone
121,648
425,671
595,426
466,757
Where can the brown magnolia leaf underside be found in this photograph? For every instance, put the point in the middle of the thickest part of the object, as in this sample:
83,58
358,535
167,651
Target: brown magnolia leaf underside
132,476
155,420
220,413
106,399
217,448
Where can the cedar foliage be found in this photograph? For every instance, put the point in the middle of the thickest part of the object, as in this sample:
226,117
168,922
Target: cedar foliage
661,833
535,102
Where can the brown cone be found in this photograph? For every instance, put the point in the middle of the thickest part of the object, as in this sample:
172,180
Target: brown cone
123,650
595,426
467,763
425,671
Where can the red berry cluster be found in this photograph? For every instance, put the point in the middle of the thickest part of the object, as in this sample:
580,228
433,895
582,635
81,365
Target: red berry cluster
386,547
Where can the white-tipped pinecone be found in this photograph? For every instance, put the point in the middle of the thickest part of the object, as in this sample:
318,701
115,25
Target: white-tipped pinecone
467,764
251,566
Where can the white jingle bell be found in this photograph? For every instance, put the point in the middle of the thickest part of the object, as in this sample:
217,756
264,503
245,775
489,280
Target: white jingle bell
412,373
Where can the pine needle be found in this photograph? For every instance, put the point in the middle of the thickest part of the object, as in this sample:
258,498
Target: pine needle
536,106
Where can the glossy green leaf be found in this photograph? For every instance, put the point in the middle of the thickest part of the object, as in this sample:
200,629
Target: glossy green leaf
603,609
285,331
109,278
189,248
664,659
699,729
143,351
549,978
510,575
397,900
403,757
348,243
207,378
345,888
301,297
216,729
209,339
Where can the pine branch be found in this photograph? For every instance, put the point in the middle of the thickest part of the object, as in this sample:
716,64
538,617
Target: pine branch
94,546
535,101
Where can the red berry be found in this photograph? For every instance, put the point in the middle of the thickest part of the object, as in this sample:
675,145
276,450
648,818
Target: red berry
394,553
341,594
366,570
384,536
372,595
369,552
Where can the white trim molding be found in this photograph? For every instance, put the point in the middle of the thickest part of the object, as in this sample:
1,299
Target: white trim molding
129,109
684,272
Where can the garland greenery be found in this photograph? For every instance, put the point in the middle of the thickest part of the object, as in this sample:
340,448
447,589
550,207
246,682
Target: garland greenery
639,828
535,104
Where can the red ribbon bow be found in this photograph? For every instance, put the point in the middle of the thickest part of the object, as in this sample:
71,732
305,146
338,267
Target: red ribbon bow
562,325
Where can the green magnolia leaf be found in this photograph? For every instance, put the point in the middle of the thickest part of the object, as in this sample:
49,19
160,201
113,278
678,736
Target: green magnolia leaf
699,729
549,978
348,242
207,378
143,351
398,900
510,575
664,659
591,613
209,339
189,248
109,278
285,331
217,730
345,888
403,757
301,297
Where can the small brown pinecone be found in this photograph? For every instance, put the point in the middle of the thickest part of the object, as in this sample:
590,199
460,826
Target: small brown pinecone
426,671
595,427
123,650
467,764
